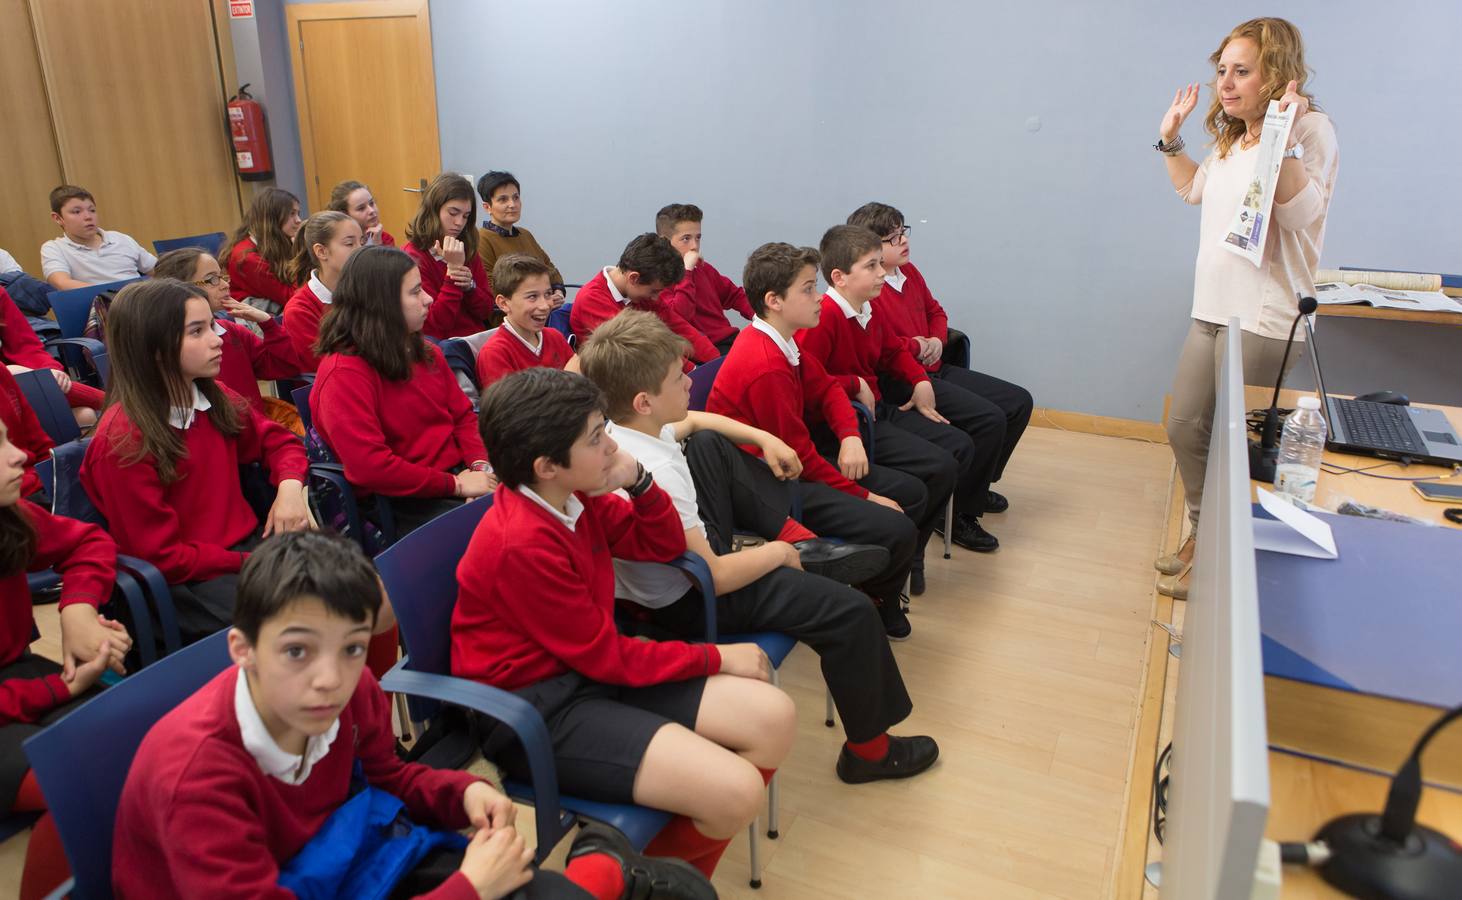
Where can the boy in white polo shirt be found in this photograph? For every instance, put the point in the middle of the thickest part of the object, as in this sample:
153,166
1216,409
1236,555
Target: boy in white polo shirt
716,488
84,254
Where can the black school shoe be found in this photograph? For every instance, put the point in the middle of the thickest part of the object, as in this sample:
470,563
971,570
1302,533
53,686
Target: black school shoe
996,503
916,578
644,876
844,563
907,757
895,622
969,534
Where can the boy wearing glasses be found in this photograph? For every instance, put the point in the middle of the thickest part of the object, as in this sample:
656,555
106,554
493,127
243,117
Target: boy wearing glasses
909,308
84,254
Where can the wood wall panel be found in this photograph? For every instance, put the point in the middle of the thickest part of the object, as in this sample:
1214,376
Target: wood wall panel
29,165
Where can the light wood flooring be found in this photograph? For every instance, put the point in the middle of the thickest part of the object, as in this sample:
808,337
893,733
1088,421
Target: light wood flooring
1025,666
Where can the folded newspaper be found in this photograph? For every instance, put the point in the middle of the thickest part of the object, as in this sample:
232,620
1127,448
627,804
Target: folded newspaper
1337,293
1251,222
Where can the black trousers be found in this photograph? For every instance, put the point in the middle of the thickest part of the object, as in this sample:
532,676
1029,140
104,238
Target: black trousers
204,607
736,490
974,436
441,863
724,344
410,513
1014,402
839,623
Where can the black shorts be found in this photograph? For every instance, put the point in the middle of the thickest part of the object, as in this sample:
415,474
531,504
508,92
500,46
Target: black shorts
599,731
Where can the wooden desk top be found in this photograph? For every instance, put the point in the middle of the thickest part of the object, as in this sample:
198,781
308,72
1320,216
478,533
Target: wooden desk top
1365,311
1397,496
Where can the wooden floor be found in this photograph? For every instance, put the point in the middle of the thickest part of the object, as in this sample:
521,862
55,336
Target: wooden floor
1024,665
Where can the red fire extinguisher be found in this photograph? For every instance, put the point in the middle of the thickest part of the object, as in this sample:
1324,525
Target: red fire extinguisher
250,136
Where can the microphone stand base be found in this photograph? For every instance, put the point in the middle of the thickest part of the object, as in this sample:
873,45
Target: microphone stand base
1364,864
1262,461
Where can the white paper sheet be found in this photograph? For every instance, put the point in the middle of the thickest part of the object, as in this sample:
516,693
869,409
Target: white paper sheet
1296,532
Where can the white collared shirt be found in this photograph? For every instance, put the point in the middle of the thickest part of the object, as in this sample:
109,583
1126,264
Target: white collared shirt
896,279
8,263
317,287
289,768
536,351
619,298
182,417
574,505
848,311
651,584
117,258
789,348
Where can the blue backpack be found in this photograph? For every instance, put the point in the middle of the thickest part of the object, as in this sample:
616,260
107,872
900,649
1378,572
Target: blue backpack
30,294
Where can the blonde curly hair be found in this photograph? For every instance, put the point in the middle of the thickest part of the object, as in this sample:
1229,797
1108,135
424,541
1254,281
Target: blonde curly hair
1281,60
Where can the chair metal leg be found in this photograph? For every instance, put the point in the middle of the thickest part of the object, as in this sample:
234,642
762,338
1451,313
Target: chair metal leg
829,720
948,525
774,798
755,854
403,713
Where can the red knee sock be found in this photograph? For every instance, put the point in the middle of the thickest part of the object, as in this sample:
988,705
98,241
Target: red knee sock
792,532
45,861
28,797
873,751
382,653
766,774
598,874
680,838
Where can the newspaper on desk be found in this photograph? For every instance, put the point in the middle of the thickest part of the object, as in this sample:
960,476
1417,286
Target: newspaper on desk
1338,294
1251,221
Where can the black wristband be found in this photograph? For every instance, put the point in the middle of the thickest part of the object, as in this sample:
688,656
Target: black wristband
642,483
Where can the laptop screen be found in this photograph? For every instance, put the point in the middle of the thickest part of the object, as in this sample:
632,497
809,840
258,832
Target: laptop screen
1314,354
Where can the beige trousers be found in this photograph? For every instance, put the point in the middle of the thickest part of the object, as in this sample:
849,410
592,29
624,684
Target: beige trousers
1195,392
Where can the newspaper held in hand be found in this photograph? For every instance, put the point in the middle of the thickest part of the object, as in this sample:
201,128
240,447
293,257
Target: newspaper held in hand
1246,236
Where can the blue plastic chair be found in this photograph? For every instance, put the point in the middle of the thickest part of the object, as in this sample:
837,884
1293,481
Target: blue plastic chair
558,320
957,349
72,307
327,472
209,242
153,597
701,379
44,396
83,786
461,358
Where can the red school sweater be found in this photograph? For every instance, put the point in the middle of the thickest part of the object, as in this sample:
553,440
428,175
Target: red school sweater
757,385
86,559
504,354
25,430
912,312
850,352
701,298
302,315
199,818
454,312
249,275
19,346
594,305
248,358
536,600
398,438
185,528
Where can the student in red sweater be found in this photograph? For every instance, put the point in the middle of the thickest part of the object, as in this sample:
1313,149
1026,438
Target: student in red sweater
22,351
909,308
795,583
385,400
247,358
766,382
257,256
35,691
703,295
322,246
164,465
356,200
229,787
25,431
646,268
525,297
689,728
442,239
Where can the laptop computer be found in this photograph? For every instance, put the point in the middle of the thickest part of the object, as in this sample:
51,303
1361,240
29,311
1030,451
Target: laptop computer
1384,429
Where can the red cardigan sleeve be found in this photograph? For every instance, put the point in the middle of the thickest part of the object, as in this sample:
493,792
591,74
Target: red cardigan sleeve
28,699
271,356
83,555
262,440
701,348
302,315
771,396
25,430
730,293
464,428
894,357
347,401
818,342
19,345
259,278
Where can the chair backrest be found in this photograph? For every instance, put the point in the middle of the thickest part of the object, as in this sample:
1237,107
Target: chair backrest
420,575
81,761
210,242
73,306
301,398
44,396
461,359
68,497
701,379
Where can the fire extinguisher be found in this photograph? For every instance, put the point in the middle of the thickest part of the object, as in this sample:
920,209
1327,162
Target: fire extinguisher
250,136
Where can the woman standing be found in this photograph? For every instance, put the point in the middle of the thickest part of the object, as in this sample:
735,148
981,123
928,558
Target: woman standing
1260,60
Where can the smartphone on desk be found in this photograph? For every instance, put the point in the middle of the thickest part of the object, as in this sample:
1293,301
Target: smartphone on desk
1438,491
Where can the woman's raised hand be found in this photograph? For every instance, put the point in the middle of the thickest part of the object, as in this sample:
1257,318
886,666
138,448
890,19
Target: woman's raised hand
1184,102
1301,103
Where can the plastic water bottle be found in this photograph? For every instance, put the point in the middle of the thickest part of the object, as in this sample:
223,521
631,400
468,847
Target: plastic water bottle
1300,449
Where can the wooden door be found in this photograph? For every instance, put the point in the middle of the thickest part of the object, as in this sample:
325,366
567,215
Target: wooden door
28,158
138,107
366,100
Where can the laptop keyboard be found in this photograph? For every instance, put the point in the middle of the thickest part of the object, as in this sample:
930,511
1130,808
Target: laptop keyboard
1383,426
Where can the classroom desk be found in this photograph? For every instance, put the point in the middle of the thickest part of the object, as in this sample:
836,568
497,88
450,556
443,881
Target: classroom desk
1304,793
1364,311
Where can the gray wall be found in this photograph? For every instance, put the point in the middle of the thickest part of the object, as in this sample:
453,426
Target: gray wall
1062,248
261,54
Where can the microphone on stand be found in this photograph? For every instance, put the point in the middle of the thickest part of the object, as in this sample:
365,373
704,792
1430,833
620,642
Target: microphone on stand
1264,454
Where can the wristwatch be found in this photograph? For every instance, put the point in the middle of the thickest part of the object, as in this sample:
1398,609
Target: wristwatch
1295,152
